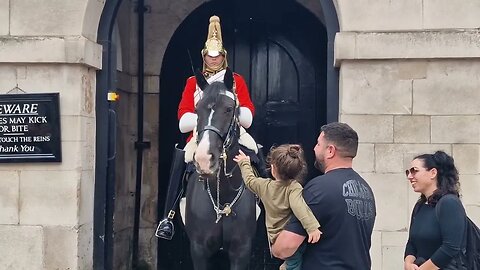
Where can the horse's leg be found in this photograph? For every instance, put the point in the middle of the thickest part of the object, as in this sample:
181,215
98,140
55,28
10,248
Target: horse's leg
240,242
239,255
239,233
200,256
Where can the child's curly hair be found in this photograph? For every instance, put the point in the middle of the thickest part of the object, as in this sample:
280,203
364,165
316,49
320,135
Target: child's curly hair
289,160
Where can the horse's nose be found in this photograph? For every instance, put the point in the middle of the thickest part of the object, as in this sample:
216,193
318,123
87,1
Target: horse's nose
203,162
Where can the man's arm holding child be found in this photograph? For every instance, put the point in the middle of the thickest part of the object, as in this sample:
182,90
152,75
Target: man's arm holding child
286,244
292,235
304,214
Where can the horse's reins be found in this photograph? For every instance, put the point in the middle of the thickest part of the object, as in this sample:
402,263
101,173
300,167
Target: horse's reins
227,209
227,142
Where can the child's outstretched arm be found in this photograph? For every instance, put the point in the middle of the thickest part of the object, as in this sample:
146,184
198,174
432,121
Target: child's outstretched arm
255,184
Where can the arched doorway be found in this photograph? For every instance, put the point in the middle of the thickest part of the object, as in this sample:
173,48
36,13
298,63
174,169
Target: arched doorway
286,55
104,166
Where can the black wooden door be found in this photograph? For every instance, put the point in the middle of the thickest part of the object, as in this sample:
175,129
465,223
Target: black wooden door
282,62
286,85
283,89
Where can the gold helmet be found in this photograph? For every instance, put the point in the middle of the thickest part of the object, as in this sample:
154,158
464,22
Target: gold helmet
214,45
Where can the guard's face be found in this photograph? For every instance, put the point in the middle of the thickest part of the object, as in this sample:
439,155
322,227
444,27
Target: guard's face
214,62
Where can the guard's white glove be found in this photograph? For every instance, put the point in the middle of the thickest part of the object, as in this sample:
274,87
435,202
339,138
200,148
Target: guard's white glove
245,117
187,122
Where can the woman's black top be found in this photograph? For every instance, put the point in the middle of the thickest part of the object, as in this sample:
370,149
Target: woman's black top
437,232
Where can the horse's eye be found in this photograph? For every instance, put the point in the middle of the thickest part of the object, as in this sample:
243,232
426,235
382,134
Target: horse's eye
229,109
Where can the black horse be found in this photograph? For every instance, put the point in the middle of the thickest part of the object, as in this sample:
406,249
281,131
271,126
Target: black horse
220,211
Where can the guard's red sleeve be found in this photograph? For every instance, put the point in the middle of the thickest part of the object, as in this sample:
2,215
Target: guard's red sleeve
187,103
242,93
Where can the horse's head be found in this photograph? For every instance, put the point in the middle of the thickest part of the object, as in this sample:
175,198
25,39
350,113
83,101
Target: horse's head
217,126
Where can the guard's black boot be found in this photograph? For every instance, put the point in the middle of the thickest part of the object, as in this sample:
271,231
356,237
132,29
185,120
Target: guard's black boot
165,228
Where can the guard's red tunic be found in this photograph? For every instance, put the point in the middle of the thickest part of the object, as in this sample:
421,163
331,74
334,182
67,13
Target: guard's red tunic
187,104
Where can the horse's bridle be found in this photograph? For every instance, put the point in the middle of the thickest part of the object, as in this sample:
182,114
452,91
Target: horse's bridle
227,139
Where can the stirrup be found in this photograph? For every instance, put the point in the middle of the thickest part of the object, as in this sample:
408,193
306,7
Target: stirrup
165,229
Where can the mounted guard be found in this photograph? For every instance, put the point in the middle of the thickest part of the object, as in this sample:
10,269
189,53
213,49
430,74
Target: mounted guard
214,69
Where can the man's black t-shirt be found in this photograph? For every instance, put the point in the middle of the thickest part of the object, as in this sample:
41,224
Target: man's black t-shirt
344,205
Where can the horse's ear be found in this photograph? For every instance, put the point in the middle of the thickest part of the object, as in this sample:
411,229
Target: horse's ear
228,78
201,81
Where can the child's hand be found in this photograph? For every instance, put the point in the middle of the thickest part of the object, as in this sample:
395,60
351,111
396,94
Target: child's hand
241,156
314,236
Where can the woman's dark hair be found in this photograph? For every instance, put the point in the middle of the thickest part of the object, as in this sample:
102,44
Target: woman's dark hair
289,160
447,175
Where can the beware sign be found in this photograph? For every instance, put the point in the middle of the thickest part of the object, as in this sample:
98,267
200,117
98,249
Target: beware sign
30,128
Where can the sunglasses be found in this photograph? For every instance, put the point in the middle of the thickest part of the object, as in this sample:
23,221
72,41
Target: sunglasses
412,171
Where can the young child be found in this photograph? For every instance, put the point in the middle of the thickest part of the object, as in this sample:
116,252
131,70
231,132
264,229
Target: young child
282,196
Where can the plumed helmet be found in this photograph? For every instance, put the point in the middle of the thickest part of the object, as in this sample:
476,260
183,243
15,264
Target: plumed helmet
214,44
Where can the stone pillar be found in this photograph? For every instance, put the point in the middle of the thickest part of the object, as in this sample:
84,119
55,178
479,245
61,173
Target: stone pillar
46,220
409,85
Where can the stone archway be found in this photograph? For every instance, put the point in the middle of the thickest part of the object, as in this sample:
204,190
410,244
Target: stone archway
162,21
92,22
103,215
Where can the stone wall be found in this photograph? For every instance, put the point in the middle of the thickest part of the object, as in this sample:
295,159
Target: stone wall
405,16
409,85
408,67
161,21
402,108
46,217
47,208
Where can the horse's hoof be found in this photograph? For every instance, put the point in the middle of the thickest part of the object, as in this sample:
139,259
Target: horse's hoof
165,230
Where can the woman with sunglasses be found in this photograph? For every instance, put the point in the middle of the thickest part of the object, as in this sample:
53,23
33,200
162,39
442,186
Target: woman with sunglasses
437,227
